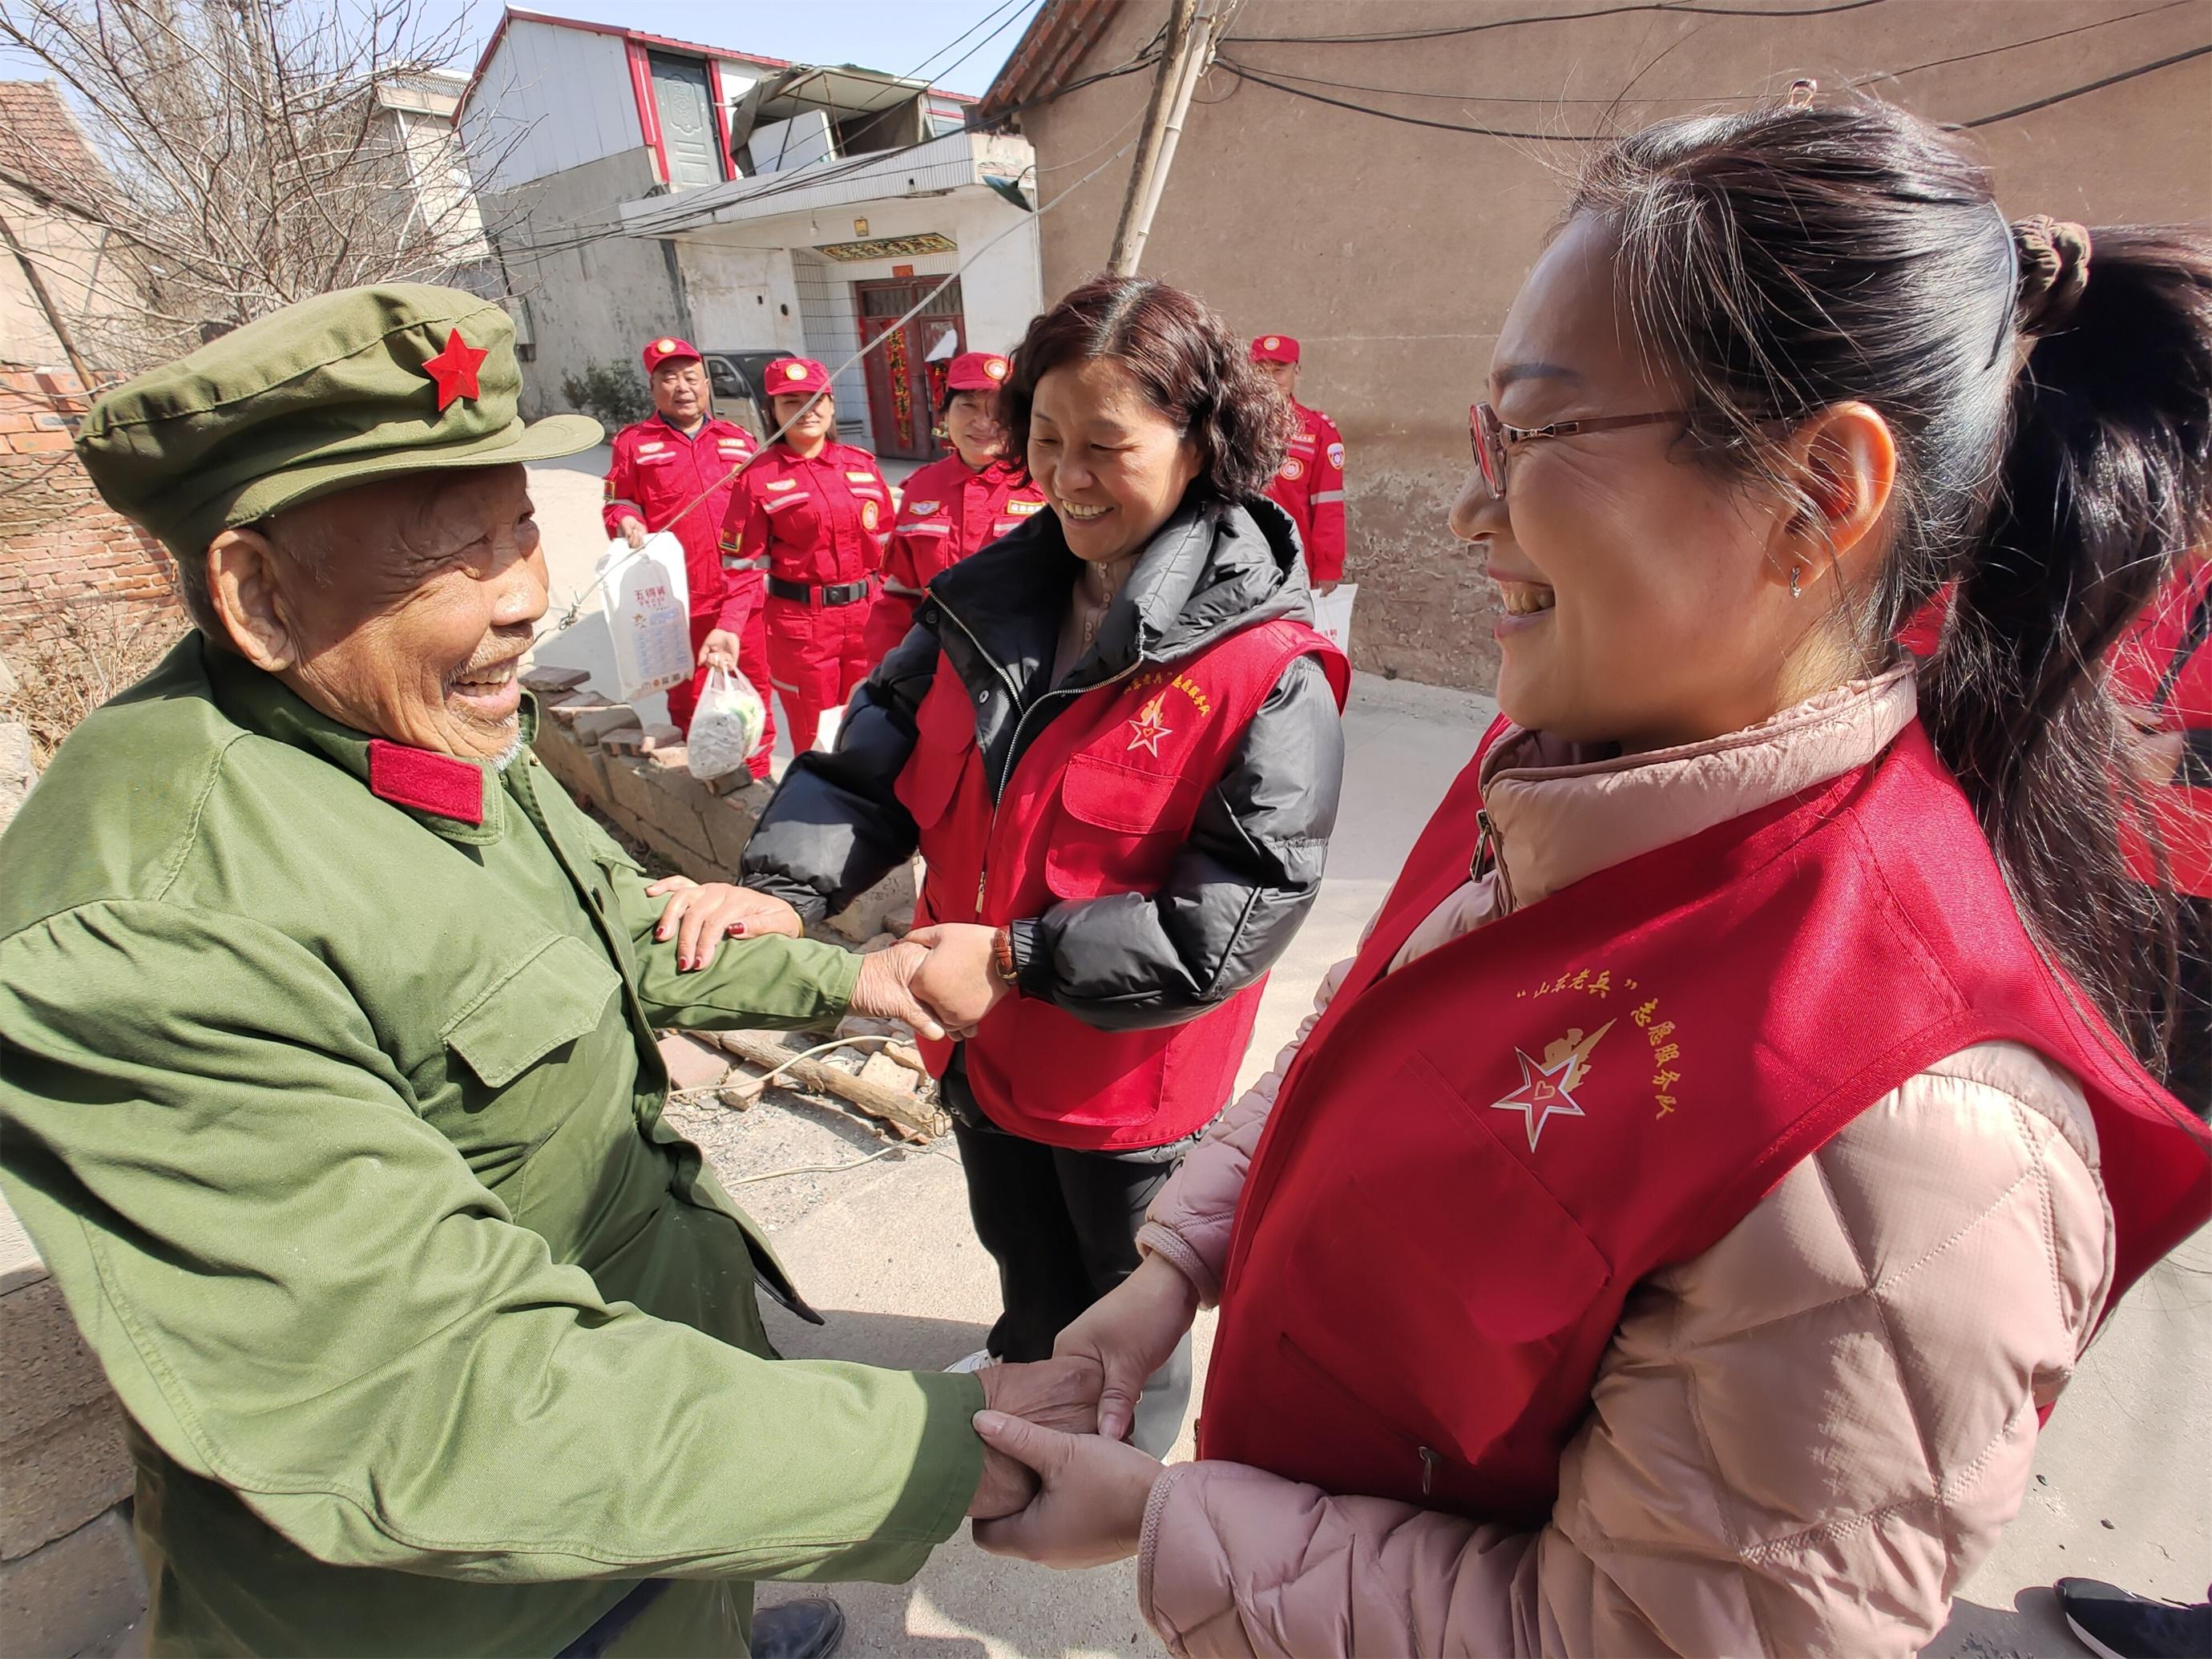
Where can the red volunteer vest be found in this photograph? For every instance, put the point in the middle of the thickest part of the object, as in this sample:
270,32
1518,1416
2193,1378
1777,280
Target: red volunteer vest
1098,804
1471,1167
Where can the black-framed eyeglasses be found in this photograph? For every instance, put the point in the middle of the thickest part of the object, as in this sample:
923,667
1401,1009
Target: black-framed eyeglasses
1490,436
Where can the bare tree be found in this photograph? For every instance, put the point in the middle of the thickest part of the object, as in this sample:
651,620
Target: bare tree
257,152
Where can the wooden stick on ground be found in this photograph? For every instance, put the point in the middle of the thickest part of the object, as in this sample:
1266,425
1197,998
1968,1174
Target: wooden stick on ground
904,1111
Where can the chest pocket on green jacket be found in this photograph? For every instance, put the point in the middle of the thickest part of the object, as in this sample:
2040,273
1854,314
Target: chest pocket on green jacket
554,996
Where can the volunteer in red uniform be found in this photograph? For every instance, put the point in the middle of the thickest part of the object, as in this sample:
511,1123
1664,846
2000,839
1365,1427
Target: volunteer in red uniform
815,515
1674,1223
956,505
1114,736
673,472
1309,484
2162,675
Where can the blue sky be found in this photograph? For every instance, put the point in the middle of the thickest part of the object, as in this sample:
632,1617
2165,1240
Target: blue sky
894,35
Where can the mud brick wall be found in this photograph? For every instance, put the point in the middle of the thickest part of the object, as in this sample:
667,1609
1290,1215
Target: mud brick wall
60,546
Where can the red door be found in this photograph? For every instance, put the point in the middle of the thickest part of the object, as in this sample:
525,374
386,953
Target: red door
902,383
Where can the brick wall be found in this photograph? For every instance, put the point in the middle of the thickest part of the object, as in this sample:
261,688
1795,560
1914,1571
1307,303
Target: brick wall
60,546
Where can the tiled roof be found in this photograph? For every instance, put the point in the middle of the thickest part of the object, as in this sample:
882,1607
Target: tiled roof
40,145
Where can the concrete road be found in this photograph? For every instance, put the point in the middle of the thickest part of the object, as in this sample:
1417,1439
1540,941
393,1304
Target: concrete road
2124,1484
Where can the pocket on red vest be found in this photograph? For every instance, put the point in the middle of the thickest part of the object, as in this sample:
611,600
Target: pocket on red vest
1397,1268
1119,828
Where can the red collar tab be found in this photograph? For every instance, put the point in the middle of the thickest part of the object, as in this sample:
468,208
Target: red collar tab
415,778
454,369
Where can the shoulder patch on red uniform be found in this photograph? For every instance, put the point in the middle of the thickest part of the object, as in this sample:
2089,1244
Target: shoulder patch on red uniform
1336,456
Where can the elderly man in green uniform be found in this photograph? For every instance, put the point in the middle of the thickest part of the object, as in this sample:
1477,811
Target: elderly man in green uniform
330,1093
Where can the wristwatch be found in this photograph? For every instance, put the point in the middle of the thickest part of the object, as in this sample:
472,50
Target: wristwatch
1002,954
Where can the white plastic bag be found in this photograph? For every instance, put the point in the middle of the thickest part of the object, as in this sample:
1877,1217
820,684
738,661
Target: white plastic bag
727,727
661,546
1333,615
647,623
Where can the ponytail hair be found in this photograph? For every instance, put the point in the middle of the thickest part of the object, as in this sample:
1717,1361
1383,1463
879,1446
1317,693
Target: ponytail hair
2049,390
2101,489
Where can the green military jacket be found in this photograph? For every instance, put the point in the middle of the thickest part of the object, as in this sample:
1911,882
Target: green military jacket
339,1123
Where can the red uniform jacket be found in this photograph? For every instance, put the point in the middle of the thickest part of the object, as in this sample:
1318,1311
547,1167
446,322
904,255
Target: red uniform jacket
1474,1162
1311,488
819,521
1097,805
2164,664
657,472
950,511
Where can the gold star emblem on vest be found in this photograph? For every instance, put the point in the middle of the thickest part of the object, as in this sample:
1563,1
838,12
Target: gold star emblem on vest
1547,1085
1146,725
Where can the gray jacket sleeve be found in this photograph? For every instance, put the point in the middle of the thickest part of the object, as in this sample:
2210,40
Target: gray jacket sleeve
1234,895
835,829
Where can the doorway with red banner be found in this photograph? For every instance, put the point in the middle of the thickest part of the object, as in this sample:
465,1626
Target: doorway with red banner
906,373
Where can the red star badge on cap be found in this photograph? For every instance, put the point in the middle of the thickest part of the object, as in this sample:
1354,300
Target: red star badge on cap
454,369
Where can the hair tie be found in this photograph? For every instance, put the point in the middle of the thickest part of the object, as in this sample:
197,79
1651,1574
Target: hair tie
2054,268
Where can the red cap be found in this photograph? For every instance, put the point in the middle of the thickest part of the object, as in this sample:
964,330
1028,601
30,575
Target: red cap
1274,348
976,370
787,375
666,349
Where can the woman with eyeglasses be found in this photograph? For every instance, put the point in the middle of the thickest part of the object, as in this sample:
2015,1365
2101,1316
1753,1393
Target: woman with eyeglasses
1671,1229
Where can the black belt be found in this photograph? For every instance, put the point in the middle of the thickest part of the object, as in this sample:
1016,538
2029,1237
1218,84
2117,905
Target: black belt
831,594
594,1641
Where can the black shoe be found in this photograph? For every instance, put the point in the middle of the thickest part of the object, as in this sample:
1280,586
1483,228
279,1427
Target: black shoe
2111,1622
799,1629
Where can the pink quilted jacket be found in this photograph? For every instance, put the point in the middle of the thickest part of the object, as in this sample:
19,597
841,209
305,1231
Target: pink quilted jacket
1802,1440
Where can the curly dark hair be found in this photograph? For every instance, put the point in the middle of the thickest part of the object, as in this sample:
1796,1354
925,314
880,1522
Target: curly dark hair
1193,371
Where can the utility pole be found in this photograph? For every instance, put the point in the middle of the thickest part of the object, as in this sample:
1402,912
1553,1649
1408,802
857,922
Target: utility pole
1188,50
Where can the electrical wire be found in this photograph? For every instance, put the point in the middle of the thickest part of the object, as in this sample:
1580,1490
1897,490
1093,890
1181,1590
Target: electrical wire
914,74
1687,10
1719,98
1244,72
985,41
2092,86
2015,45
678,217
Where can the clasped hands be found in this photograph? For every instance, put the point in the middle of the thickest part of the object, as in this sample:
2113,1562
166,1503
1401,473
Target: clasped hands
1052,1492
940,981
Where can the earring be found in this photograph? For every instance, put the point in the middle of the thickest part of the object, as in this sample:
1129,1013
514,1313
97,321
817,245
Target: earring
1796,571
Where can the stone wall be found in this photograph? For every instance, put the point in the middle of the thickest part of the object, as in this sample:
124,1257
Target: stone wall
639,778
70,1578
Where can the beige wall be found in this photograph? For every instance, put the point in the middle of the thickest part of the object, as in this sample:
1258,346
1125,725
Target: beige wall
1392,251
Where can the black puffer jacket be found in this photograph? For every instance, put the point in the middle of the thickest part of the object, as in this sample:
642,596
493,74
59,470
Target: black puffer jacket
1244,880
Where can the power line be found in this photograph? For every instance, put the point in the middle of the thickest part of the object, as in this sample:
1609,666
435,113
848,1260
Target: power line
985,41
1686,10
1244,73
685,212
914,74
1716,98
2089,86
2015,45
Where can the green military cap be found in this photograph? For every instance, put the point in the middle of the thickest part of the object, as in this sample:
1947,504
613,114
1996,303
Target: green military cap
332,392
